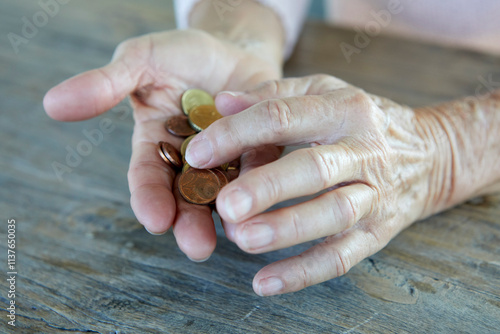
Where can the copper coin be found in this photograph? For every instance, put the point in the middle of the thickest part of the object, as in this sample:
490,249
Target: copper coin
223,180
170,155
199,186
201,117
179,126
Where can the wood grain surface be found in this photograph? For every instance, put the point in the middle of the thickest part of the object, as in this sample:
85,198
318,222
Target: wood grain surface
85,264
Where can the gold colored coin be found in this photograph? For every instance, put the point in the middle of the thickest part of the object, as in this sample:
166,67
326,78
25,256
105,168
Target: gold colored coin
225,166
202,116
185,144
193,98
185,167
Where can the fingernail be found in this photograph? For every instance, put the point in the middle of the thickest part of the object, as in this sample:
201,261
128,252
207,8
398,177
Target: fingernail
154,233
270,286
199,261
234,94
256,236
237,204
199,153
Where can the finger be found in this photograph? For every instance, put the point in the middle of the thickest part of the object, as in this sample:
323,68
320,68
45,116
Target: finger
150,179
299,173
328,214
250,161
229,137
332,258
288,121
92,93
150,183
229,230
194,229
230,103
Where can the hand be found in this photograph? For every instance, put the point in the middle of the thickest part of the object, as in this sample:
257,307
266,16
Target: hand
156,69
378,160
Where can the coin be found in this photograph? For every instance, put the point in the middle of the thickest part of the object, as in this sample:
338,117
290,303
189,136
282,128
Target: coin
179,126
223,181
185,144
233,170
170,155
193,98
199,186
201,117
185,167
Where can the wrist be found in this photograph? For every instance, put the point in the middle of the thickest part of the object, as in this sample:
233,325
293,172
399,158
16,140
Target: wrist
463,139
248,25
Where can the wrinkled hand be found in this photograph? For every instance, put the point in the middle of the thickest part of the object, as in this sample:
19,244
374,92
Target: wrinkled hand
377,160
155,70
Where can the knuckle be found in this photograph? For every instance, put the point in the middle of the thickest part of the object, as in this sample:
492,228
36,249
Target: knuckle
360,98
268,88
348,210
323,165
272,185
274,87
381,234
137,49
279,116
295,222
127,45
226,134
317,84
340,261
367,107
302,276
320,77
323,82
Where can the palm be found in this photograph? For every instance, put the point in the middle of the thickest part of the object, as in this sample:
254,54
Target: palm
155,70
176,61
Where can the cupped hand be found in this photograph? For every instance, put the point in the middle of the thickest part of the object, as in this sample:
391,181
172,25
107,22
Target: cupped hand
377,160
155,70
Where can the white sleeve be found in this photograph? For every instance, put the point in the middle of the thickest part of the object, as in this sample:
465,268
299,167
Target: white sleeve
292,14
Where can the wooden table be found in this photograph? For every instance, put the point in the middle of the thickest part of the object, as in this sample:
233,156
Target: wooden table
84,264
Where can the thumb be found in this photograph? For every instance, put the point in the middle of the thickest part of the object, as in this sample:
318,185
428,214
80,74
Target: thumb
91,93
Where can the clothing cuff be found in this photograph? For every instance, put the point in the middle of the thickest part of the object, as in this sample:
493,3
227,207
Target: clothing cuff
292,14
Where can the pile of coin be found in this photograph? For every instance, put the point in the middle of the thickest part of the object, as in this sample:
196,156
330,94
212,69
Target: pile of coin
197,186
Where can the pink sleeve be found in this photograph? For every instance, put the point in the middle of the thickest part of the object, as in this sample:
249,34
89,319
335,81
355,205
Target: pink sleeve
292,14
